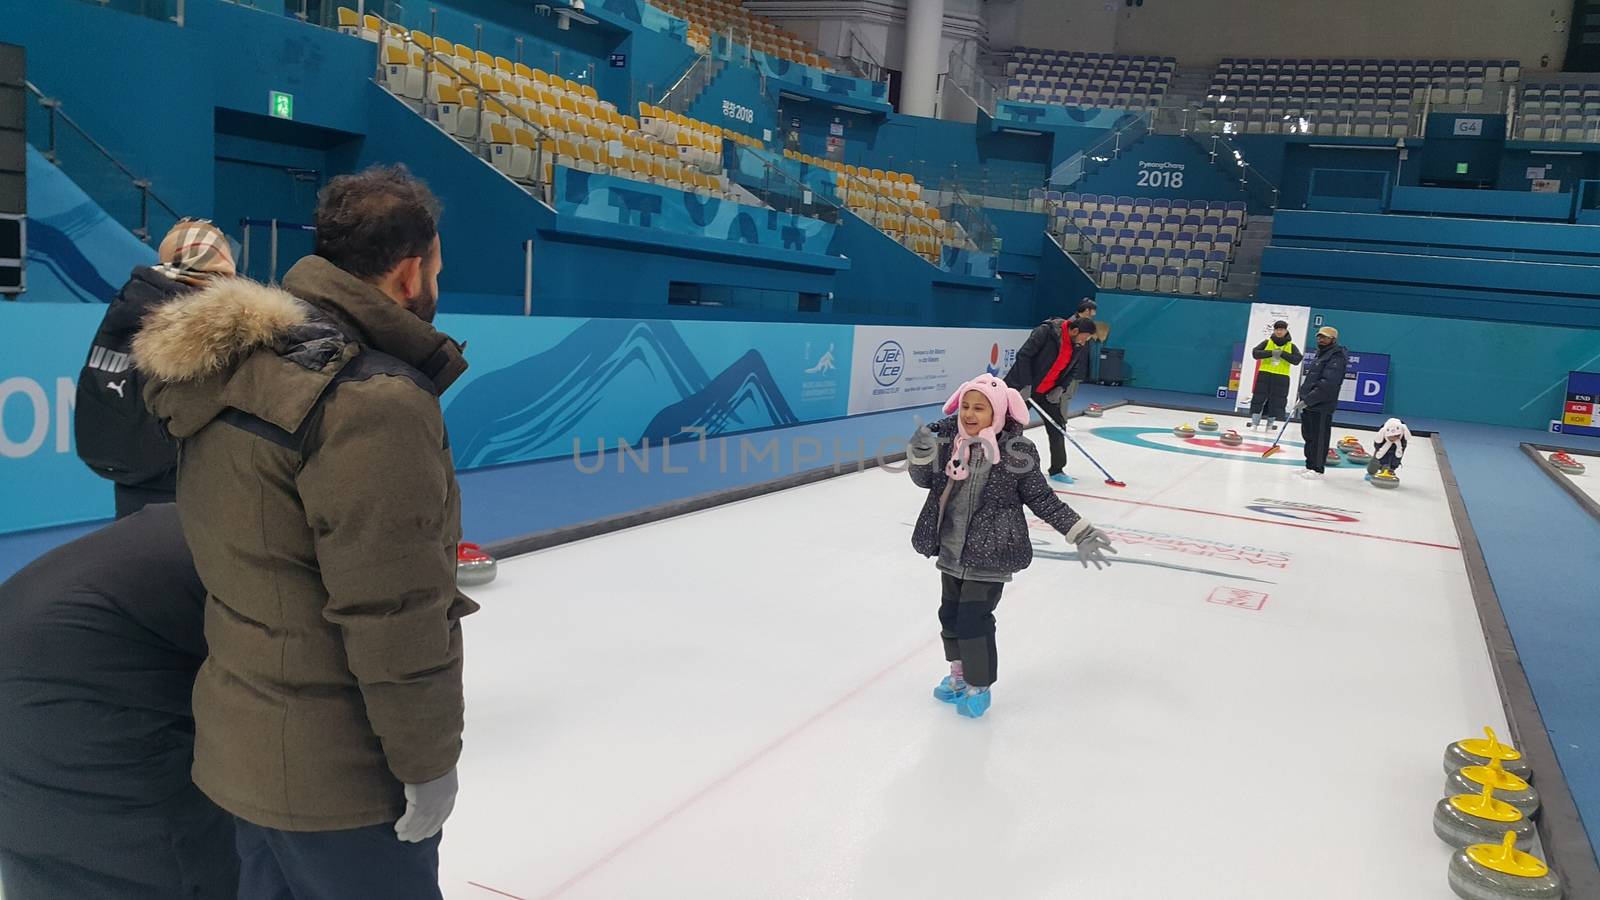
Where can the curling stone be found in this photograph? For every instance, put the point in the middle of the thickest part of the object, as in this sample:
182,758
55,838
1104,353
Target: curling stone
473,566
1507,787
1479,751
1383,478
1349,440
1355,452
1502,872
1231,438
1566,463
1466,819
1334,459
1209,424
1184,431
1095,411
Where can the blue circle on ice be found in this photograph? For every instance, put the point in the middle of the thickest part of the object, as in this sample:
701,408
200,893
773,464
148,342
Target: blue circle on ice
1208,445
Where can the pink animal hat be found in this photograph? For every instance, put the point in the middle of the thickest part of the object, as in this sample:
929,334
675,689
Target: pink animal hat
1004,400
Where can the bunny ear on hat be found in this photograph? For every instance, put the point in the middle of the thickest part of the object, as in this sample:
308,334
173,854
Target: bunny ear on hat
1016,407
954,403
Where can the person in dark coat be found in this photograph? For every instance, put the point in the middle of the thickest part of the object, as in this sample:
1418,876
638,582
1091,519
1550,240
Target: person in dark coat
1320,382
116,436
102,639
972,521
1044,369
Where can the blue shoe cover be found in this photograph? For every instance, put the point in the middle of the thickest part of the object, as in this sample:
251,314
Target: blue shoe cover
1062,478
973,704
947,690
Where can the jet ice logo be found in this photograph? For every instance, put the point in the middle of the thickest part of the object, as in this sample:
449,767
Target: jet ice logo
887,363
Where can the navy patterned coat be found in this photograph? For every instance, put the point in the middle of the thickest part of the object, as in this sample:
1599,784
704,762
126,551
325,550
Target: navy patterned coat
997,538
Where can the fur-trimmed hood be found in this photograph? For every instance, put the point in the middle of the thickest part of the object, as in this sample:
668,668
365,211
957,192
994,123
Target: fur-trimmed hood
224,347
204,333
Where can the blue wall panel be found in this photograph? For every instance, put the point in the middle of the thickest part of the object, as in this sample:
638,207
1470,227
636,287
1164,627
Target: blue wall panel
1502,374
1163,166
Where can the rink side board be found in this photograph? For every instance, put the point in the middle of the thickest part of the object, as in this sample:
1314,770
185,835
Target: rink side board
554,537
1561,831
1537,453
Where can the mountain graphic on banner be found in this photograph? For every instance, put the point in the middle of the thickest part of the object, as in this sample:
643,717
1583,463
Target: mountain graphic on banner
610,378
743,397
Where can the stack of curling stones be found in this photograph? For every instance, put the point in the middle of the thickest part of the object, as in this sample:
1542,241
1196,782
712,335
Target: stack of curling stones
1095,411
1566,463
1209,424
1351,447
1487,816
1184,431
1231,438
473,566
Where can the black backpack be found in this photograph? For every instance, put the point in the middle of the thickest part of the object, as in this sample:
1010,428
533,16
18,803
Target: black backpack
117,436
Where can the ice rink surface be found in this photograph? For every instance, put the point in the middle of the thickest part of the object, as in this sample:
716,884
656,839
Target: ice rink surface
1252,703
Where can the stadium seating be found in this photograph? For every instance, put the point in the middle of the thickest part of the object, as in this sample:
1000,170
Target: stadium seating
1563,111
1353,97
893,203
525,120
707,17
1147,244
1070,78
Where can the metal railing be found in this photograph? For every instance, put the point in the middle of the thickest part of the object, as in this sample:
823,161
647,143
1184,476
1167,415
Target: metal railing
859,56
963,82
122,193
1103,152
967,211
1225,156
690,85
506,107
783,192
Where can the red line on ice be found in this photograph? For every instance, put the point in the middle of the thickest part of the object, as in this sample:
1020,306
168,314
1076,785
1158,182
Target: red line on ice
728,776
1223,515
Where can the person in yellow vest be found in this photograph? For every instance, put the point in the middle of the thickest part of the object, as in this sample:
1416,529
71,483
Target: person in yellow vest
1275,356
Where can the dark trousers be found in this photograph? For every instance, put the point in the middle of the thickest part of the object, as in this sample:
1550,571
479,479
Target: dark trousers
1389,460
966,623
1316,429
1058,445
185,853
1271,395
132,499
357,864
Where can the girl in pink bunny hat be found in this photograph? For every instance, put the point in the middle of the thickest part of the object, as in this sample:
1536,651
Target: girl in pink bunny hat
979,472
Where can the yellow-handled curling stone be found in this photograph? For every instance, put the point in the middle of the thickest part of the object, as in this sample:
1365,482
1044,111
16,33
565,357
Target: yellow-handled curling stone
1209,424
1479,751
1501,872
1467,819
1184,431
1507,787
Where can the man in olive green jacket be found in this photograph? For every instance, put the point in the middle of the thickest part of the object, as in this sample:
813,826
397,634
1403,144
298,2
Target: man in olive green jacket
317,493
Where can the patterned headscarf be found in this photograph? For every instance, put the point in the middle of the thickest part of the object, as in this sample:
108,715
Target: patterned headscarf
193,251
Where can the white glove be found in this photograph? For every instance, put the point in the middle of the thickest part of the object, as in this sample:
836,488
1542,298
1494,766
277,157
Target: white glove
1299,405
427,806
923,447
1093,546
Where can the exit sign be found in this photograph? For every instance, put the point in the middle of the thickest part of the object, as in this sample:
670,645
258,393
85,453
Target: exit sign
282,106
1461,168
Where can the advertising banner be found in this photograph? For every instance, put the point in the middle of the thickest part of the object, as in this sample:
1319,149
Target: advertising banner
1259,328
896,367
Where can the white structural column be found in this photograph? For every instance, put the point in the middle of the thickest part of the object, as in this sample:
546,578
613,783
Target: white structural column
924,26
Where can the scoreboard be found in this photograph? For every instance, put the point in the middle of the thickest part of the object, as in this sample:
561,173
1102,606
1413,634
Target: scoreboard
1580,413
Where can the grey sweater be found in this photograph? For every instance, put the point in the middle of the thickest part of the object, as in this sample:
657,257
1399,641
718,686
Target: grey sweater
958,510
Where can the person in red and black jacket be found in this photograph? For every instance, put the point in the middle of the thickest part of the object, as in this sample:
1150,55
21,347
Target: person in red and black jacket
1044,369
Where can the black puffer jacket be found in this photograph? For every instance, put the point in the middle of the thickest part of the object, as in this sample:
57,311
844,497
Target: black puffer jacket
1322,377
998,538
116,435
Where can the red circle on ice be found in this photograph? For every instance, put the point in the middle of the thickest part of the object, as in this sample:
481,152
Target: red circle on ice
1217,444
